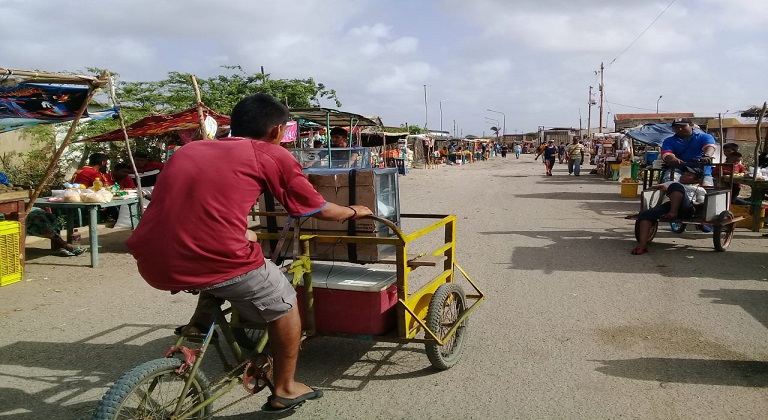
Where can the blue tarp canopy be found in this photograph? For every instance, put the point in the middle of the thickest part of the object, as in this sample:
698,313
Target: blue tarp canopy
653,134
27,104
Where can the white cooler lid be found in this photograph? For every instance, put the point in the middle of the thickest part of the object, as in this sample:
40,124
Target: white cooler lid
356,278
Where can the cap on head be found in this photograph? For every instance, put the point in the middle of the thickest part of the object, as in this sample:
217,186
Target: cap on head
682,121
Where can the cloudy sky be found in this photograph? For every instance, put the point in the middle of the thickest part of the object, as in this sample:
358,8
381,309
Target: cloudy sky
533,60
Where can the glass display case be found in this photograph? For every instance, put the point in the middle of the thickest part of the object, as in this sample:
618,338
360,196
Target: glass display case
340,157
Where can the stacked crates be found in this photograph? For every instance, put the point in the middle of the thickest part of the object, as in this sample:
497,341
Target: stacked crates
10,252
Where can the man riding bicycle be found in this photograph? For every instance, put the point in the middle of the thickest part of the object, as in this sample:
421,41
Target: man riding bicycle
193,235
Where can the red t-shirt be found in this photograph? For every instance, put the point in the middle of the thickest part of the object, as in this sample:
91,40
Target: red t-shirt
86,175
125,183
192,235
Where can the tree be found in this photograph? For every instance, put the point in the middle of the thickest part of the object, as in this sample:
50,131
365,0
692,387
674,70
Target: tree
175,93
413,129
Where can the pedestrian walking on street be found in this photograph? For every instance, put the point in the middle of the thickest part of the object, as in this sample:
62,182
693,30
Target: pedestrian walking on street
518,149
561,152
575,154
550,154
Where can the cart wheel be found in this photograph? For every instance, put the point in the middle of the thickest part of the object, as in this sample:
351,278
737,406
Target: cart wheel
723,231
677,227
651,235
445,307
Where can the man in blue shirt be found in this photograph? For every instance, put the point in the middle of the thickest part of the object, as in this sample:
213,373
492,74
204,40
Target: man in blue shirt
686,146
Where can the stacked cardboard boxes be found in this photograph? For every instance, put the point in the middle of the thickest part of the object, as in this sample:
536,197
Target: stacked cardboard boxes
376,189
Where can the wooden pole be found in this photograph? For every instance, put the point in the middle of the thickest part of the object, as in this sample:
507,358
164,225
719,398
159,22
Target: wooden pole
113,97
722,137
757,139
199,100
43,77
93,87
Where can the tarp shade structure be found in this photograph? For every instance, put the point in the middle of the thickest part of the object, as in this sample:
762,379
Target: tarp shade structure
368,139
332,117
154,125
27,104
653,134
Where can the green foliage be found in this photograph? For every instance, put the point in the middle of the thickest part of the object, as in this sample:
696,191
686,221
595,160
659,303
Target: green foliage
34,163
413,129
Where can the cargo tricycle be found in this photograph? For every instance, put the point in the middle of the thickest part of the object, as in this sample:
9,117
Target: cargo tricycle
713,215
351,301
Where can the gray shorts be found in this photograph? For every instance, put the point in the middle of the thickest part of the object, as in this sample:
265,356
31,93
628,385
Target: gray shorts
260,295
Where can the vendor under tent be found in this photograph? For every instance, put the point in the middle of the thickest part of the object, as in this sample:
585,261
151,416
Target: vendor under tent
330,118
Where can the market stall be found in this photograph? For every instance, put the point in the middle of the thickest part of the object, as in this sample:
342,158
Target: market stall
29,98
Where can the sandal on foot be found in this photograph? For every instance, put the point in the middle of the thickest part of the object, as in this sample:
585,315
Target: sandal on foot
289,403
65,253
77,251
183,329
639,251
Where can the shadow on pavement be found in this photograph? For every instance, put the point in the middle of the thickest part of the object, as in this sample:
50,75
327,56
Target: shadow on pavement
690,371
754,302
607,251
111,241
576,195
66,380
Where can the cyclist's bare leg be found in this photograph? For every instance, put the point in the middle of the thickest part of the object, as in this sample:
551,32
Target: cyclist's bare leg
285,337
203,316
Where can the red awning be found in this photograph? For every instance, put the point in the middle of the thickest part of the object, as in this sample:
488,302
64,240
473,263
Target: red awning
160,124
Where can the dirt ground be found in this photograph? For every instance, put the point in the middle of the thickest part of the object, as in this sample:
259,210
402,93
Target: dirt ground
573,326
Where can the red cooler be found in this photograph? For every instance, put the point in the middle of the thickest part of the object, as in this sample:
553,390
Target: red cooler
352,299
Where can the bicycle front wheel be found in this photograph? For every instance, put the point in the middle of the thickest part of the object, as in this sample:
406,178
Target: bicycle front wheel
152,391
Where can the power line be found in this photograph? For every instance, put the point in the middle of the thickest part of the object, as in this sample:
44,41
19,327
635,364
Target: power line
641,33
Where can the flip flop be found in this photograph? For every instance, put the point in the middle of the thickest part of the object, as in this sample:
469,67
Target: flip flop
77,251
639,251
289,403
65,253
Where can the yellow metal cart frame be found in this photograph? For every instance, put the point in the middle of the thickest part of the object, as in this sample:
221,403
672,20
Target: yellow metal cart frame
422,309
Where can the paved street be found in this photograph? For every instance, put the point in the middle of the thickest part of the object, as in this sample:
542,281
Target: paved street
573,327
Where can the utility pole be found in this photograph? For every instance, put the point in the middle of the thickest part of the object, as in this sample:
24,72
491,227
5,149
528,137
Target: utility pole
589,114
426,115
454,128
602,91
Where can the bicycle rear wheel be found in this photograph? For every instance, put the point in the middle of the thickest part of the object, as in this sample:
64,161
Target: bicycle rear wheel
151,391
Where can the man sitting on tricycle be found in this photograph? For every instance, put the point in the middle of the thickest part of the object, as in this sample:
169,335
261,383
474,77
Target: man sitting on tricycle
683,196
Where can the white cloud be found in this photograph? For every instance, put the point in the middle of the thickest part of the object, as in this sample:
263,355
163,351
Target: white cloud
532,59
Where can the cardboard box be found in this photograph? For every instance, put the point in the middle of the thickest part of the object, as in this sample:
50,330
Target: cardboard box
352,300
330,251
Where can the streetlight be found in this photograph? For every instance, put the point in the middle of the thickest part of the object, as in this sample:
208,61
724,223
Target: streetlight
493,119
441,116
657,103
504,128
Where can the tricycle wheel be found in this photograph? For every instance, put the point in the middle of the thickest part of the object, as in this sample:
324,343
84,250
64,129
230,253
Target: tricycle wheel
677,227
445,308
651,234
723,231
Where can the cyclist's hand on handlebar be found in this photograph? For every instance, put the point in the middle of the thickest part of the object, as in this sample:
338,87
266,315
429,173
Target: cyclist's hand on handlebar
360,212
706,159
